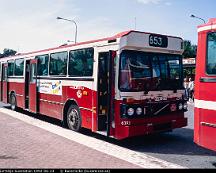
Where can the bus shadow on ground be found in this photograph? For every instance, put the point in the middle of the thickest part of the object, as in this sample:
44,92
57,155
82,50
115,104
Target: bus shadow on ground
179,141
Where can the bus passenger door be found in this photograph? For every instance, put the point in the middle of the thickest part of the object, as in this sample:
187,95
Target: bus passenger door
4,93
111,90
105,91
102,90
33,103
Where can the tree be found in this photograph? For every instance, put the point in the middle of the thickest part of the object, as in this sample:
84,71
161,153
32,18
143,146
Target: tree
8,52
189,49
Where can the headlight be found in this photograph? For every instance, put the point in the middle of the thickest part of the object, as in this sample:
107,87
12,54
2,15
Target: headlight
164,98
180,106
185,106
130,111
139,111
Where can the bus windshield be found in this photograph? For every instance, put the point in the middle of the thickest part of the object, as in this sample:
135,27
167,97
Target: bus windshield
142,71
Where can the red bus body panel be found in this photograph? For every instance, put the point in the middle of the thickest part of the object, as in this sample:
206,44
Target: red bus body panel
32,97
205,94
0,90
1,82
50,108
19,89
5,91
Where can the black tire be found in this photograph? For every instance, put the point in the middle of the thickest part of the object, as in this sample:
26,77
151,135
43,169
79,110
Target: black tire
13,102
74,120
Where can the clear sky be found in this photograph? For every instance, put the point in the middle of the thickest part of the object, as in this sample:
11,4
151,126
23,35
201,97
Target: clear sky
28,25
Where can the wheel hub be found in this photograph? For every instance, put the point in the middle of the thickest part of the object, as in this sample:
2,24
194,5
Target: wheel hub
73,117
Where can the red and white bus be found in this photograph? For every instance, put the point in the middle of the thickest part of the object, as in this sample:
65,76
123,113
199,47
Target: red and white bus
205,87
127,85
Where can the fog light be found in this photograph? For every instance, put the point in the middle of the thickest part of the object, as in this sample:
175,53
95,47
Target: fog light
185,106
139,111
180,106
130,111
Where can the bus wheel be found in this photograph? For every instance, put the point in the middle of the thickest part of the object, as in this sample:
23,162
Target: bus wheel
74,118
13,102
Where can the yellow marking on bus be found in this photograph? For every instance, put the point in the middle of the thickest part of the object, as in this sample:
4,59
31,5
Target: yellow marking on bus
94,109
85,93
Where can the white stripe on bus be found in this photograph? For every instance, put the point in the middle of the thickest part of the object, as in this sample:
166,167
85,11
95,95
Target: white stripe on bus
88,84
16,80
204,28
202,104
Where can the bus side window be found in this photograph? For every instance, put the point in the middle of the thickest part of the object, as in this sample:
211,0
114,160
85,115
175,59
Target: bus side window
58,63
4,74
32,73
19,67
42,68
211,55
81,62
10,68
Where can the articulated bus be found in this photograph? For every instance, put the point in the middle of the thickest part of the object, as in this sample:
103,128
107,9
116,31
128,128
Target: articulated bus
122,86
205,87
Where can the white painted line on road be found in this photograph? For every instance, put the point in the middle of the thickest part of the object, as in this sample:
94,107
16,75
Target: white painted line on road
136,158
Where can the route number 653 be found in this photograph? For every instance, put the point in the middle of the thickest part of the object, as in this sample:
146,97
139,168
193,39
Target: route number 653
154,40
158,40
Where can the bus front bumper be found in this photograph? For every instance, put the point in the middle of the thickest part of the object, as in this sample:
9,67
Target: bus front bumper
151,128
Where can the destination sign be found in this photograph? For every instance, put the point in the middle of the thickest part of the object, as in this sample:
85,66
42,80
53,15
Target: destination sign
158,41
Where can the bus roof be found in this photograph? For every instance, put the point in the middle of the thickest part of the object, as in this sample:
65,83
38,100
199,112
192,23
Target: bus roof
211,24
119,35
77,44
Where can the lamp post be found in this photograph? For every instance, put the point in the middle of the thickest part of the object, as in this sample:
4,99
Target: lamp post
60,18
198,18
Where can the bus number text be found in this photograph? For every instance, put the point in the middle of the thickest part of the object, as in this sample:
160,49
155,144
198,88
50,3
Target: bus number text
125,123
158,41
